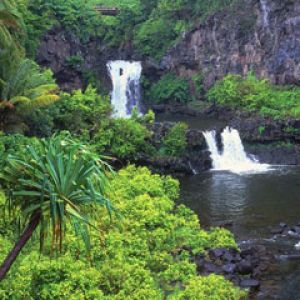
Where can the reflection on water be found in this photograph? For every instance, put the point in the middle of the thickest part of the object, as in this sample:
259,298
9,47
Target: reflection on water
252,204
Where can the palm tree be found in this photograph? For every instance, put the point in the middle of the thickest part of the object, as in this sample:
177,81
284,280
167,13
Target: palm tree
55,182
10,22
23,89
11,30
27,87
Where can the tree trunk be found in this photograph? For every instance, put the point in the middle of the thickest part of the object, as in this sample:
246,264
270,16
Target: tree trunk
11,257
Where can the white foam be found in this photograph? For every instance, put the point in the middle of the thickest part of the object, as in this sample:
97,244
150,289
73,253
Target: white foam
125,76
233,157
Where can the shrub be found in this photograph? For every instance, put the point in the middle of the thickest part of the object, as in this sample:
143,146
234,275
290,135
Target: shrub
81,110
170,88
257,95
136,256
211,287
154,37
174,143
122,138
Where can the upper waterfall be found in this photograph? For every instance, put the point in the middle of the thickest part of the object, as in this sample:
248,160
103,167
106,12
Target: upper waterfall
125,76
233,157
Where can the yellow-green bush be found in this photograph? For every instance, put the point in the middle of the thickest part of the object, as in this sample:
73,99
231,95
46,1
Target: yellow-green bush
212,287
137,255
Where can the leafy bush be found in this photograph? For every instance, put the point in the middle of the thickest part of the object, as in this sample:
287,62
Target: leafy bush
170,88
154,37
122,137
257,95
211,287
81,111
136,256
174,143
12,145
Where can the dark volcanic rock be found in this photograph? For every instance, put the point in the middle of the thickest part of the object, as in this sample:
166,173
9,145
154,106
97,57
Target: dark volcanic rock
242,38
229,268
59,46
249,283
245,267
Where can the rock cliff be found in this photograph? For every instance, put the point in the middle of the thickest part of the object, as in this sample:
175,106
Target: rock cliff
262,36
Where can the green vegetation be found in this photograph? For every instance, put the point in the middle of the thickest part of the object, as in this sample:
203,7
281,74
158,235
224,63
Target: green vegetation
170,88
257,95
70,227
261,129
174,143
80,111
152,26
52,182
122,138
146,243
24,87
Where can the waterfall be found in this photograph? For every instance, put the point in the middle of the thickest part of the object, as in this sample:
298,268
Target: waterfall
233,158
126,94
265,12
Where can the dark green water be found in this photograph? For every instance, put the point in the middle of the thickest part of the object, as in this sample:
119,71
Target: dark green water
202,123
251,205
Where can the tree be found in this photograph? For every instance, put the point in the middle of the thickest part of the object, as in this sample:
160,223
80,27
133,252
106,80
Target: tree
55,182
24,88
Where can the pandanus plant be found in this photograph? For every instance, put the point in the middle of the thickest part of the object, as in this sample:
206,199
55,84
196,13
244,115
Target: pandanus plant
54,183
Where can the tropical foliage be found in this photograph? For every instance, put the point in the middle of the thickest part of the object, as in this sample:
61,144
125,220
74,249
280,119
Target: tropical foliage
80,111
146,242
169,89
122,138
53,182
259,95
174,142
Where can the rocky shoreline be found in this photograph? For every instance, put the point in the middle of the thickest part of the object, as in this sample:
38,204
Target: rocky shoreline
254,266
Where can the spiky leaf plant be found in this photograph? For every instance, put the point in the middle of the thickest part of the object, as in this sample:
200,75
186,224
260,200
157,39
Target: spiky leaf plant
54,183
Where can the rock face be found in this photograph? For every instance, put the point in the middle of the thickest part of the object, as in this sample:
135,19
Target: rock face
262,36
73,60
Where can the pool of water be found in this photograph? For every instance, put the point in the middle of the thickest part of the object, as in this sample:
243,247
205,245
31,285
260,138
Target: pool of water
251,205
201,123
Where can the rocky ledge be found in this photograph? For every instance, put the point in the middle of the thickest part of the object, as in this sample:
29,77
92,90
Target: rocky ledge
272,141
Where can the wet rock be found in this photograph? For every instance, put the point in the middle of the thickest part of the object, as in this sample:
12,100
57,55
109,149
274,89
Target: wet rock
212,268
228,256
249,283
296,229
282,225
276,55
229,268
260,249
247,252
245,267
216,253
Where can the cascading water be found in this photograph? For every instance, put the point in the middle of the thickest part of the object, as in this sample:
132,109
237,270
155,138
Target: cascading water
125,76
265,12
233,158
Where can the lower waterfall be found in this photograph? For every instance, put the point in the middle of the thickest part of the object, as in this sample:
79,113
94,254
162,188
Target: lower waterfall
233,158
